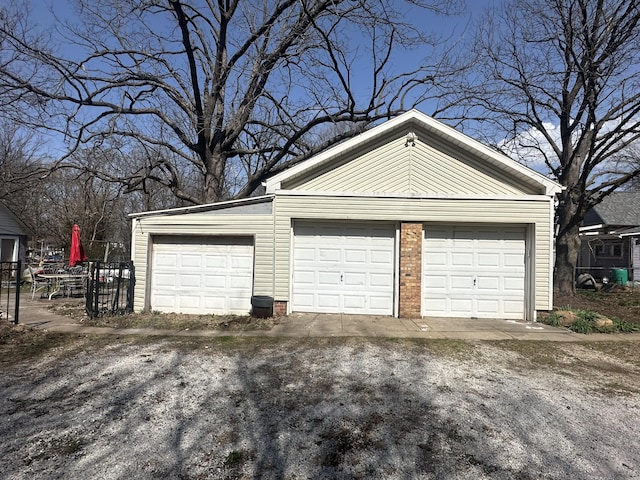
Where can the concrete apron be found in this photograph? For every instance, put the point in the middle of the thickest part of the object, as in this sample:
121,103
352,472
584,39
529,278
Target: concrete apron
35,314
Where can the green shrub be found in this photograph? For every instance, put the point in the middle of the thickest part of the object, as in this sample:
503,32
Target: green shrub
623,326
582,325
553,319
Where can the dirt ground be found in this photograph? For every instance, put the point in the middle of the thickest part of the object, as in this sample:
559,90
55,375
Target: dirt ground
616,302
88,407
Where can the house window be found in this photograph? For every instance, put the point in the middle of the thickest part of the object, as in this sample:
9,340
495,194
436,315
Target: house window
608,250
8,250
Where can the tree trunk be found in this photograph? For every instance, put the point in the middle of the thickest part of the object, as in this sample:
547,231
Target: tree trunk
214,176
567,249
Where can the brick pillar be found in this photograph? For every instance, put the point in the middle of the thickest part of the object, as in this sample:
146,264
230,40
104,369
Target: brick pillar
279,308
410,270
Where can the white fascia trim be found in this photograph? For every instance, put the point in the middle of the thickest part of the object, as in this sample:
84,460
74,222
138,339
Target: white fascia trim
440,196
591,227
205,207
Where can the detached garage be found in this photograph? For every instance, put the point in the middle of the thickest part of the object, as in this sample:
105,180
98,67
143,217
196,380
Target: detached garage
410,218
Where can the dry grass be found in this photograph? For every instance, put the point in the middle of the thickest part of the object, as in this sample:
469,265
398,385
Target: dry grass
165,321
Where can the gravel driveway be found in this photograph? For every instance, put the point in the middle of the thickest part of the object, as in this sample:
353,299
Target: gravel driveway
325,408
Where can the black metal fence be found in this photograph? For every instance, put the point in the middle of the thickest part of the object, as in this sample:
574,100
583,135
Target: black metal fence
110,288
10,279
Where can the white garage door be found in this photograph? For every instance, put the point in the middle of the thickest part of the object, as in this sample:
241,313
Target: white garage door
343,268
473,272
202,275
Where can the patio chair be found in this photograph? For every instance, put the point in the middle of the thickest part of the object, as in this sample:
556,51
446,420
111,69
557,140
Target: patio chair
76,285
37,283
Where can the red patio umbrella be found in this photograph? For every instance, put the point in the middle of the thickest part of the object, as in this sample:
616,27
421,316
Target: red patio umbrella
76,255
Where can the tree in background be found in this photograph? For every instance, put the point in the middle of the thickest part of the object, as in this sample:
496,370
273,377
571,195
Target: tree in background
218,95
561,78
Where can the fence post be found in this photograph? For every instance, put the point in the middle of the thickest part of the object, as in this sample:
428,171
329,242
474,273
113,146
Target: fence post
18,274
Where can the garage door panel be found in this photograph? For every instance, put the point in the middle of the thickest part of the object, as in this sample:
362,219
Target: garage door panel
352,264
194,261
354,279
168,281
514,284
330,302
512,307
488,307
327,255
381,280
358,256
488,260
460,307
327,279
304,301
436,282
166,260
473,271
213,302
213,281
165,302
191,302
435,259
488,284
381,257
190,281
462,259
352,302
303,277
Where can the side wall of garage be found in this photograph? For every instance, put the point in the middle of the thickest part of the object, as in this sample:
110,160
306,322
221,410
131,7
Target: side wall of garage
211,223
533,210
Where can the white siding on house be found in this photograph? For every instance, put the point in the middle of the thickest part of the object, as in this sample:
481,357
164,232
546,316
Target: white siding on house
528,210
423,169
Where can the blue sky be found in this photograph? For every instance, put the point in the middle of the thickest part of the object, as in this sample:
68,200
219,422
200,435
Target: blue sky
452,29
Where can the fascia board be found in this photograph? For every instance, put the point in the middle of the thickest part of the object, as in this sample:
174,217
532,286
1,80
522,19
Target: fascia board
205,207
443,196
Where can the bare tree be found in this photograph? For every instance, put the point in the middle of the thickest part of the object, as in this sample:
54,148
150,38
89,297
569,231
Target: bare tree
222,94
561,77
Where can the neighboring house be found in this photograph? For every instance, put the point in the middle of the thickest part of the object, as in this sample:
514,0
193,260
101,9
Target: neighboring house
13,236
409,219
610,234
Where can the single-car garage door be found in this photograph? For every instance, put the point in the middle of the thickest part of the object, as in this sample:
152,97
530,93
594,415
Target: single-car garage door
343,268
202,275
473,272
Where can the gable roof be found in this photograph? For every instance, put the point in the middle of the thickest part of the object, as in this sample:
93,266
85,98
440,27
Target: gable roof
423,126
10,224
618,208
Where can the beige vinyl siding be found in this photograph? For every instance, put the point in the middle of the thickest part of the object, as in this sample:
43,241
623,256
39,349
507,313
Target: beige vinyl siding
533,210
204,224
423,169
